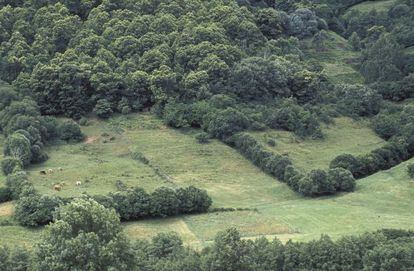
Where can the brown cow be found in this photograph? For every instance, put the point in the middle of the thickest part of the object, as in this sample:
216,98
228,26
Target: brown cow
57,187
43,172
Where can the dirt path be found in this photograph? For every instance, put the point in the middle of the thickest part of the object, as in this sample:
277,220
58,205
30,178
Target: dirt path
91,139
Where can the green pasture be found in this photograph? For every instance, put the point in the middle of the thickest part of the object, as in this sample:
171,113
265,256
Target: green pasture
383,200
344,136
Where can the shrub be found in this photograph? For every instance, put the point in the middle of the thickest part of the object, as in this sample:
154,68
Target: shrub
19,147
35,210
227,123
164,202
70,131
271,142
202,138
103,109
139,156
17,182
10,165
132,204
346,161
83,121
410,170
5,194
342,179
193,200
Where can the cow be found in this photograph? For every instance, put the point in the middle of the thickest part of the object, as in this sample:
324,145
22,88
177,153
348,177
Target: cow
78,183
57,187
43,172
60,169
50,171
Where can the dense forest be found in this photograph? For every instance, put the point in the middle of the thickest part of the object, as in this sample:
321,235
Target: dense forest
226,68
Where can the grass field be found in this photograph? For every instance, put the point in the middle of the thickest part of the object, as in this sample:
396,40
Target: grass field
383,200
368,6
337,59
344,136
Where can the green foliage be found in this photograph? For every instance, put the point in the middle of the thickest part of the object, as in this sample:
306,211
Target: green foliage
227,123
103,108
34,209
202,137
70,131
5,194
18,146
84,235
358,100
10,165
410,170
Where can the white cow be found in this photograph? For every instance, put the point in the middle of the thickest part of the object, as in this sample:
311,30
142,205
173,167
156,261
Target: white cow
78,183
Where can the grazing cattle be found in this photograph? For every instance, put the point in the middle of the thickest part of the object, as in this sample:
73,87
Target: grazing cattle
50,171
78,183
43,172
60,169
57,187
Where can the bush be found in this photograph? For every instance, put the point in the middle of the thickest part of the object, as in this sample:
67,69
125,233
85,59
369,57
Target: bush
70,131
10,165
132,204
103,109
202,138
18,146
35,210
410,170
271,142
139,156
5,194
193,200
227,123
18,183
164,202
342,178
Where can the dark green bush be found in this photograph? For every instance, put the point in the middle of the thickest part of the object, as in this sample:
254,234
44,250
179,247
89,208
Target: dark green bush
202,138
410,169
70,131
10,165
5,194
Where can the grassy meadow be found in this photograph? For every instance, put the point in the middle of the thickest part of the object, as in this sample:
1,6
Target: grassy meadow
337,59
383,200
344,136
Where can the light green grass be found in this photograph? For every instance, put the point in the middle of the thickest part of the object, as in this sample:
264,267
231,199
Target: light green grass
383,200
368,6
344,136
337,58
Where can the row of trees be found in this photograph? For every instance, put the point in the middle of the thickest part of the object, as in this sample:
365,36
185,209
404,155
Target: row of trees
27,131
315,183
85,235
137,204
34,209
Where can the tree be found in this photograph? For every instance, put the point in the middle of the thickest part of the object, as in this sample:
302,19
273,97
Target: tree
355,41
382,60
229,252
226,123
34,209
103,108
18,146
84,235
10,165
70,131
164,202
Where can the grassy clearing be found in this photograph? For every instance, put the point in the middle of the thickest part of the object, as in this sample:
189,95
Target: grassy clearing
368,6
344,136
382,200
337,59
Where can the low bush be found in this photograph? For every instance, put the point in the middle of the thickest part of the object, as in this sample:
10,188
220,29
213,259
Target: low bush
10,165
202,138
410,170
5,194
